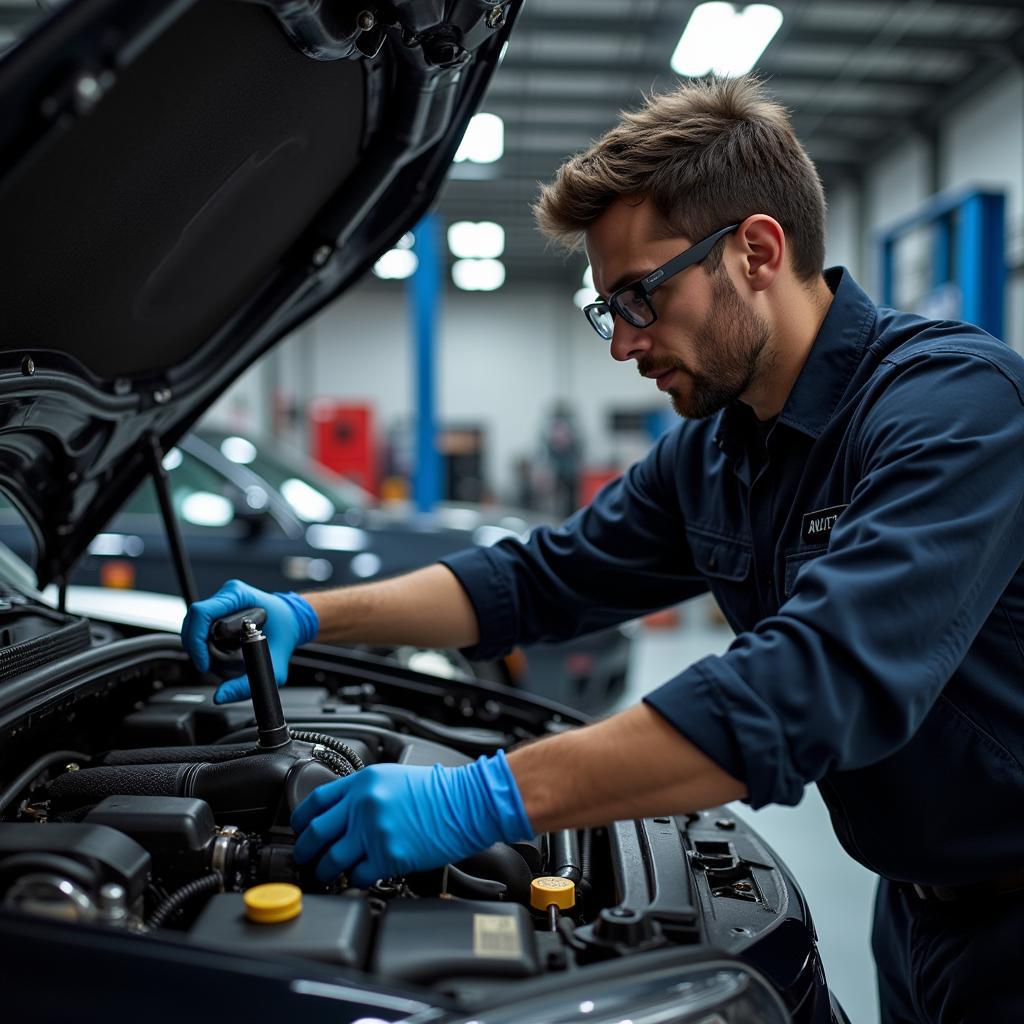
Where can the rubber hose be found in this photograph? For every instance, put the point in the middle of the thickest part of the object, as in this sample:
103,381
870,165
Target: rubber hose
565,855
178,898
338,764
211,754
333,743
37,766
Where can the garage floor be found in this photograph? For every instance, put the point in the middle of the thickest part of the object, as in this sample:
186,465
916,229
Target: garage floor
839,890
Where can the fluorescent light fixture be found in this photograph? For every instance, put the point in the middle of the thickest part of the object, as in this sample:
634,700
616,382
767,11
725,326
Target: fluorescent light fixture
583,297
396,264
484,141
172,460
476,240
238,449
478,275
721,39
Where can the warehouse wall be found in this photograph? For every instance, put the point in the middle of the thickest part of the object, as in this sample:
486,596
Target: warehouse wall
503,360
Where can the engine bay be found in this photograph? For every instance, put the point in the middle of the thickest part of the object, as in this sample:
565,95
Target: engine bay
157,813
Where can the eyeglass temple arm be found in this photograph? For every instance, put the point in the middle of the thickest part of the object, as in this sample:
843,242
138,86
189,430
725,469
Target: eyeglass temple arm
692,255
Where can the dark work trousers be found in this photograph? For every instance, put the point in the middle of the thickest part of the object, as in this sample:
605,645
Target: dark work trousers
947,963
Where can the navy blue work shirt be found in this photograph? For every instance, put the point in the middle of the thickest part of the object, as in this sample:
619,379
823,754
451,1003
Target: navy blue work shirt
868,556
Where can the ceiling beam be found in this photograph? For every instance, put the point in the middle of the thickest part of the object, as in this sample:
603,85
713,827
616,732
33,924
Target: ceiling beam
624,27
775,73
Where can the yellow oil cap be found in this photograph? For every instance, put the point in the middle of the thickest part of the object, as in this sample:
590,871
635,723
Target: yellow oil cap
552,889
273,903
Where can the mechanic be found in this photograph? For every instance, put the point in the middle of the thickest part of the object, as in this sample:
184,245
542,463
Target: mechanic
847,481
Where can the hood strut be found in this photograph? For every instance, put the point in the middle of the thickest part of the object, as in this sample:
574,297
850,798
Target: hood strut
186,581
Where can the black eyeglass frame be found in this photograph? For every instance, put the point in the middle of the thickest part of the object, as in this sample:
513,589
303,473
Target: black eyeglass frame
644,286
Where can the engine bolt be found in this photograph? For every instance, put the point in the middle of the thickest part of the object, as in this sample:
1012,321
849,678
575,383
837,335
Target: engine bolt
366,20
496,18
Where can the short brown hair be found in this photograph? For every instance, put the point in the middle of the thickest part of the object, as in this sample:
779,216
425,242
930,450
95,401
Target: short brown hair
710,153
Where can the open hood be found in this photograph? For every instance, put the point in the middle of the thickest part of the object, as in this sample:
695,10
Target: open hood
182,182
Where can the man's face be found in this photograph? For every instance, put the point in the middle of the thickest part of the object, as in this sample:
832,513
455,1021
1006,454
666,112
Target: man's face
707,345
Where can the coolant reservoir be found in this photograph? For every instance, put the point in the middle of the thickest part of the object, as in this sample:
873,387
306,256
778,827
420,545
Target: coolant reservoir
332,929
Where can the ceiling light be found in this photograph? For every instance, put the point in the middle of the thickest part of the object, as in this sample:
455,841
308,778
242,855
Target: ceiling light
721,39
396,264
478,275
481,240
484,141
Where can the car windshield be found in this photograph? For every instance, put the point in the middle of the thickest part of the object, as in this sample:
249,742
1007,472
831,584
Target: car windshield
314,493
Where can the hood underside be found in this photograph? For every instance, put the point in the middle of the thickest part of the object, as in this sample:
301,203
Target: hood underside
180,185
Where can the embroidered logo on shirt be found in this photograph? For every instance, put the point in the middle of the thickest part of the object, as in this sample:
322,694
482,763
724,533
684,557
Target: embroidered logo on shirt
818,525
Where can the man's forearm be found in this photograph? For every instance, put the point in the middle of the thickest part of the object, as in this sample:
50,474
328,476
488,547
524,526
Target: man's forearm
427,608
632,765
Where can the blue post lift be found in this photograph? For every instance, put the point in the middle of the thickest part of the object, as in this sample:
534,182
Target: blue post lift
425,295
968,263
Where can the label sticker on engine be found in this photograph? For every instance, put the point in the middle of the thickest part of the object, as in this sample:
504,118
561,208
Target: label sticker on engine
496,935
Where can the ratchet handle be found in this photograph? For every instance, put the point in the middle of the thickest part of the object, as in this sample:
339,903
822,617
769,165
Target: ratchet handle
225,640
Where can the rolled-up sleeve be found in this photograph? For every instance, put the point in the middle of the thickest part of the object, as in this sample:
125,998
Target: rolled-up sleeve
845,672
623,555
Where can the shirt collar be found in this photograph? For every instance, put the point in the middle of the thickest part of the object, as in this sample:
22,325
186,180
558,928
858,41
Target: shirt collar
823,380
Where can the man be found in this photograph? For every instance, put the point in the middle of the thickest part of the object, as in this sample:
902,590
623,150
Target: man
848,482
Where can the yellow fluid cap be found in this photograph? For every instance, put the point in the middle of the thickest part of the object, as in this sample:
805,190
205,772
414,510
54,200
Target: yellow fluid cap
273,903
552,889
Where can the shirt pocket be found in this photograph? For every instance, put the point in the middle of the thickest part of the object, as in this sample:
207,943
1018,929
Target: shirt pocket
726,566
718,558
795,561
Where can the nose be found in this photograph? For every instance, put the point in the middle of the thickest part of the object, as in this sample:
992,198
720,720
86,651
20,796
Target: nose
628,342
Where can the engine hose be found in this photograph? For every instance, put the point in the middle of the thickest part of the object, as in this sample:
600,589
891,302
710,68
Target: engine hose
333,743
177,899
586,860
565,855
36,768
338,764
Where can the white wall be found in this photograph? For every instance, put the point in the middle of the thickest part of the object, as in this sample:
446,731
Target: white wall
503,359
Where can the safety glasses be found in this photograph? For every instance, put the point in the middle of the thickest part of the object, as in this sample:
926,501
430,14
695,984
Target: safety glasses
632,302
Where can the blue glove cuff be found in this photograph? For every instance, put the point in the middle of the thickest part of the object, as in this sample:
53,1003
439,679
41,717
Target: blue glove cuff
305,616
506,802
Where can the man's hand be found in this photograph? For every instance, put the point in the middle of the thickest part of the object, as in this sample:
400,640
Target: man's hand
390,819
291,622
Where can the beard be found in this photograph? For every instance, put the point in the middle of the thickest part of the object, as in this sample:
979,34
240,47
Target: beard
733,347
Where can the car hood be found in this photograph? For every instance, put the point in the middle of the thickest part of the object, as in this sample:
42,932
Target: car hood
183,183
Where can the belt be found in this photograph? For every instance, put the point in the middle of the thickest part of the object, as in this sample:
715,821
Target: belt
1001,885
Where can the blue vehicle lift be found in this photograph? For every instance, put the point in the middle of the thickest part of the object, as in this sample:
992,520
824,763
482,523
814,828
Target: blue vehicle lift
968,262
425,294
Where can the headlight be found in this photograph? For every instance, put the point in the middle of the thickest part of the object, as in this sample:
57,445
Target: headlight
711,992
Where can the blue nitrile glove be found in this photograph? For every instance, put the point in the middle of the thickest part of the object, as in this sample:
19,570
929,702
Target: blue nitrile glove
291,622
390,819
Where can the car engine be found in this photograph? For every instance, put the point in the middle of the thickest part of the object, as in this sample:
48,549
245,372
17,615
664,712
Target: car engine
157,813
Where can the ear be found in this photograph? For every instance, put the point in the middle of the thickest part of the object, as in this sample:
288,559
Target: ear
762,245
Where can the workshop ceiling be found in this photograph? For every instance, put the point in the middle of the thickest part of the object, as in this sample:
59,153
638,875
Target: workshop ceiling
857,75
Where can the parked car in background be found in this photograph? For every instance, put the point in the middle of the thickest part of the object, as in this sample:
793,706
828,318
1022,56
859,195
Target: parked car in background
251,507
